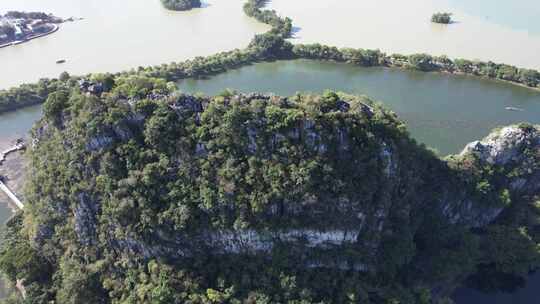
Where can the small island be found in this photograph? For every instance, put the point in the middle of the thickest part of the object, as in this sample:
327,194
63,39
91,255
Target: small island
18,27
442,18
181,5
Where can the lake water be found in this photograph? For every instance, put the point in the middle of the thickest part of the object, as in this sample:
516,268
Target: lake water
443,111
498,30
14,125
123,34
527,295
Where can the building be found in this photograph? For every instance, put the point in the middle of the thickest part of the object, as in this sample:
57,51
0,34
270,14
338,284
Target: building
19,34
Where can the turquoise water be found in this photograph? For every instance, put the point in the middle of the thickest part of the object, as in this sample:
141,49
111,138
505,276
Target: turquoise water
443,111
517,14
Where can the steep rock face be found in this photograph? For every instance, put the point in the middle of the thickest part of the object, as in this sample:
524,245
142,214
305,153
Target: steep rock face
85,220
513,152
517,147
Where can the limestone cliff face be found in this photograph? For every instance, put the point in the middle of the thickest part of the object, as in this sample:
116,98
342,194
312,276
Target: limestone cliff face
397,183
514,150
516,147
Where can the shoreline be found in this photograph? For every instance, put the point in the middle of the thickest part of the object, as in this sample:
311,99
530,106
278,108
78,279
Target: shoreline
406,68
56,27
12,200
10,205
389,66
444,72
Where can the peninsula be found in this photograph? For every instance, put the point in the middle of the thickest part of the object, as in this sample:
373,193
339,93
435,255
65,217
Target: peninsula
18,27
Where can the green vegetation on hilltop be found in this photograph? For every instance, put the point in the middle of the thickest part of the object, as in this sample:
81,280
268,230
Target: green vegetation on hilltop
163,197
181,5
443,18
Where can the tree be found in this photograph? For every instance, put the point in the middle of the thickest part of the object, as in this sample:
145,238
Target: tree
443,18
64,76
422,62
271,46
529,77
181,5
55,104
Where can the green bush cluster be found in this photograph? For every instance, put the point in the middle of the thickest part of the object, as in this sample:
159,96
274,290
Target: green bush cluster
181,5
443,18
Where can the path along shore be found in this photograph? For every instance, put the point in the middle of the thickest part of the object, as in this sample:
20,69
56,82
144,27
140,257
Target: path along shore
17,147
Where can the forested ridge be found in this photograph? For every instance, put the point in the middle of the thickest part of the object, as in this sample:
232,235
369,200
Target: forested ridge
141,194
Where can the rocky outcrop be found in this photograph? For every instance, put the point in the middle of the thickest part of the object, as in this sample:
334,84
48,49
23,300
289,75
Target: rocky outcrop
120,132
252,241
516,148
85,214
506,145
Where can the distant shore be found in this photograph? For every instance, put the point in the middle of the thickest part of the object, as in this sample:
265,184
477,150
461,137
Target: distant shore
53,30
